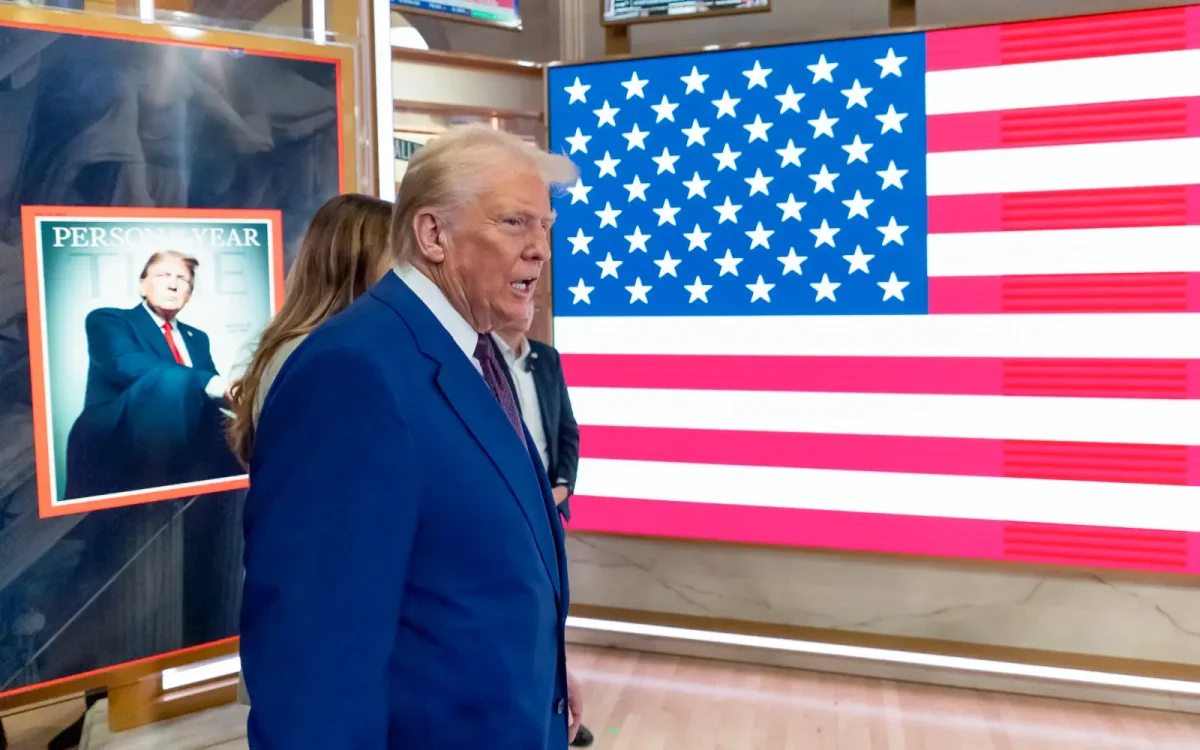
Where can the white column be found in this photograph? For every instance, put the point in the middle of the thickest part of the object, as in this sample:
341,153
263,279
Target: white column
573,17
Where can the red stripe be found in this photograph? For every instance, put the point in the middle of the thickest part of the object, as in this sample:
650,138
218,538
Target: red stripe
1129,549
1066,293
1135,32
1153,119
1091,462
1065,209
970,376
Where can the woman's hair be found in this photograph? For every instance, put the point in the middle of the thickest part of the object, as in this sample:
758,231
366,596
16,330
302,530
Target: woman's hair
343,254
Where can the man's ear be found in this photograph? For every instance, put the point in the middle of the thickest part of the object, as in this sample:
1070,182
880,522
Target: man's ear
430,231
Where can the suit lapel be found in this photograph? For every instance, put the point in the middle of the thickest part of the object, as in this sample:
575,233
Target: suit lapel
150,333
471,399
541,377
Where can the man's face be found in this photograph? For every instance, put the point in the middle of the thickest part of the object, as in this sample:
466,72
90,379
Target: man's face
498,246
167,286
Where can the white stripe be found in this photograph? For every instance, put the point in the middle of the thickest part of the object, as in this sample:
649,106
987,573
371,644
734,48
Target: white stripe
1068,251
1093,80
1084,167
1106,420
1163,507
1150,336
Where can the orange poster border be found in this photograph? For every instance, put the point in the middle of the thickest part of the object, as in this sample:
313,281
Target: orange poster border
34,296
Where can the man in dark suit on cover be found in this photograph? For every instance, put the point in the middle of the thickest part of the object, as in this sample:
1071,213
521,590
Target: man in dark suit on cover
151,413
406,582
535,374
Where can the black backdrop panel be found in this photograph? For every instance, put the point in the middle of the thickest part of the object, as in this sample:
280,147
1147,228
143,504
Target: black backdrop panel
94,121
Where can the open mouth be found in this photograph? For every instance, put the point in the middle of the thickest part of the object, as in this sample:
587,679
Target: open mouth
524,286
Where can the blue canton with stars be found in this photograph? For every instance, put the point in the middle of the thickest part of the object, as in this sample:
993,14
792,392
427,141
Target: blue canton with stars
777,181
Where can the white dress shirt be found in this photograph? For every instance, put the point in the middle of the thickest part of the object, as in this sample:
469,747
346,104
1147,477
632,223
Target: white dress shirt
215,387
527,397
463,333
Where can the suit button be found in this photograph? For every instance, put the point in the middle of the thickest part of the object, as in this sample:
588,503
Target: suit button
560,706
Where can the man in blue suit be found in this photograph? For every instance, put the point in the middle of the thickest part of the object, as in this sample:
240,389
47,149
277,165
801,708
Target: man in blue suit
151,412
406,582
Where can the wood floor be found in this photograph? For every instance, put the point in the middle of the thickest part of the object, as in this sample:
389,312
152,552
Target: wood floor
649,702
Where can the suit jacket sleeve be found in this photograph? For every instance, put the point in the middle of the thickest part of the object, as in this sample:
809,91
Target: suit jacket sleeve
568,432
114,348
330,520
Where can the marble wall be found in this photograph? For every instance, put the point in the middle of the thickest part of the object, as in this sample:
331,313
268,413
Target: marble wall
1084,612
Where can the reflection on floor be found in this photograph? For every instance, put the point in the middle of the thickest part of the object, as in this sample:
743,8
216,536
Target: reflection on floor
649,702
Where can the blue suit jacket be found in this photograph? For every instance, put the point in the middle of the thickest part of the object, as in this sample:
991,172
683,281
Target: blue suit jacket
405,582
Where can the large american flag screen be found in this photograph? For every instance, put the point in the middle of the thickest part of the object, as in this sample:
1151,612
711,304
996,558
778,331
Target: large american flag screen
930,293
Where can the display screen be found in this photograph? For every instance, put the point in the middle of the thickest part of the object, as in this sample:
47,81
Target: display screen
499,12
635,10
927,293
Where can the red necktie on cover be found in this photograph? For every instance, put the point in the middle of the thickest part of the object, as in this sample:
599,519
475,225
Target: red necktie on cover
171,342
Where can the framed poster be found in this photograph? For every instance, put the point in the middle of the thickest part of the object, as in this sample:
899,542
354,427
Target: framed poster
139,322
929,293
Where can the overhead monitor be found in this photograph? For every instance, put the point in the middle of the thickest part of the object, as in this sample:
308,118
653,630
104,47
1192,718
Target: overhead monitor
493,12
639,11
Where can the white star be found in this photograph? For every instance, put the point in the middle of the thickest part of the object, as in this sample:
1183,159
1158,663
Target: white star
634,86
578,141
791,262
666,214
893,287
725,105
822,70
637,188
695,133
757,76
891,120
824,234
579,192
608,165
758,129
666,265
823,179
890,64
698,239
728,264
637,292
699,291
696,186
892,176
665,162
608,266
825,288
582,293
665,110
791,208
760,290
758,183
727,158
695,81
607,115
823,125
789,100
859,260
858,205
580,242
578,91
857,151
636,138
856,95
893,232
791,154
760,237
608,215
637,240
728,211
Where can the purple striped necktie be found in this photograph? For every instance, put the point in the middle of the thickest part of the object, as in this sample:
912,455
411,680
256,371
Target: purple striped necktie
493,375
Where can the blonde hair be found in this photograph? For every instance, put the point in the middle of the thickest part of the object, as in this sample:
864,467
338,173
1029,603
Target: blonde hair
451,170
344,252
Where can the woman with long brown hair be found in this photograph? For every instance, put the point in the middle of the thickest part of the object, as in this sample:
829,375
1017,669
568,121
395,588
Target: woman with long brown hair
344,253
